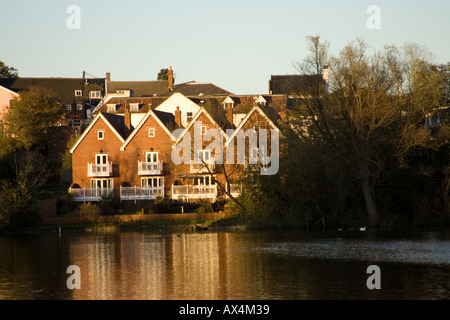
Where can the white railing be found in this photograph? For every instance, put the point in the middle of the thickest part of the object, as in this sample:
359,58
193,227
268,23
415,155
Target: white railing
204,166
89,194
186,192
150,168
99,170
140,193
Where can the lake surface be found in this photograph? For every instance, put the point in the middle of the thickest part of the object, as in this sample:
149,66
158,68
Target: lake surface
226,265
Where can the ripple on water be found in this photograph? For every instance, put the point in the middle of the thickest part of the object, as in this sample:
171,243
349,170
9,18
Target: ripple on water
404,251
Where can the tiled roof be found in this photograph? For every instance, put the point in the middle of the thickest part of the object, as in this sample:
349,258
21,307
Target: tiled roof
140,88
294,84
145,103
117,121
64,88
196,89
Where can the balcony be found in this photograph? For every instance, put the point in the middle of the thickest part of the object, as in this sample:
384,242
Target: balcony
188,192
88,194
140,193
205,166
150,168
99,170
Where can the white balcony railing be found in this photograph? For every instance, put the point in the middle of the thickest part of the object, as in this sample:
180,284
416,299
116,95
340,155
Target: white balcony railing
150,168
186,192
140,193
89,194
99,170
204,166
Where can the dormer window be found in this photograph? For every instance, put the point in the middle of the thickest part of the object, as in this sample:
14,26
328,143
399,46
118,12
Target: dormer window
228,103
134,107
78,93
95,94
260,101
79,107
111,107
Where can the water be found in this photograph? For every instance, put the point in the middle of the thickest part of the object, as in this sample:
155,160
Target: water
237,265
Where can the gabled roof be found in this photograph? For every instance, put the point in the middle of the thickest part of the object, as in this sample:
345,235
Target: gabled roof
140,88
247,117
194,88
194,119
15,94
113,125
162,118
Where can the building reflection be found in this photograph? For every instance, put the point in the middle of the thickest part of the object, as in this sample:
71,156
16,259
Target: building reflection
155,267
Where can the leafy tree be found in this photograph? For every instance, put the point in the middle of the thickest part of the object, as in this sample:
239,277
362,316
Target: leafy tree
31,116
163,74
7,72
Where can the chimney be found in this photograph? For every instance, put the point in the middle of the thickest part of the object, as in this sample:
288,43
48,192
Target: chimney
178,116
170,78
127,120
108,76
230,114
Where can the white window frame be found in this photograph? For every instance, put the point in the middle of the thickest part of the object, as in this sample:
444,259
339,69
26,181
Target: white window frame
102,183
159,182
79,106
101,158
189,116
68,107
111,108
100,135
78,93
151,132
95,94
134,107
153,156
203,130
204,155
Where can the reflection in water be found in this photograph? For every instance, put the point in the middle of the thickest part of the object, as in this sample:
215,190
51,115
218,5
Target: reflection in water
225,265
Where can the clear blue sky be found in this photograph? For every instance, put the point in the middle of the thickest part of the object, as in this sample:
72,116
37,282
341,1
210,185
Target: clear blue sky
235,44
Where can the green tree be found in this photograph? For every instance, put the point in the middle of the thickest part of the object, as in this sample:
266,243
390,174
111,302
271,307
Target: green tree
31,116
7,72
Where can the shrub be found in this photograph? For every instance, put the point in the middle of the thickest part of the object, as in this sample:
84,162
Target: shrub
90,213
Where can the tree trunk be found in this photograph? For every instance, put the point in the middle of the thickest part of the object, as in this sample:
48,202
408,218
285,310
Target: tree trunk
369,193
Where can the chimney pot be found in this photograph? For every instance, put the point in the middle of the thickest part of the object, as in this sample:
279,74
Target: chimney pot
170,78
178,116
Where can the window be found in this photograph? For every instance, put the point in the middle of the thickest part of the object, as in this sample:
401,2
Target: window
101,158
202,130
134,107
151,132
152,182
111,107
256,126
95,94
105,184
151,157
78,93
204,181
79,107
188,116
68,107
204,155
100,135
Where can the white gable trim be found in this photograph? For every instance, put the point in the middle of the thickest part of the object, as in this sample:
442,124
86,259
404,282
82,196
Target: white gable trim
194,119
100,115
149,113
255,108
15,94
